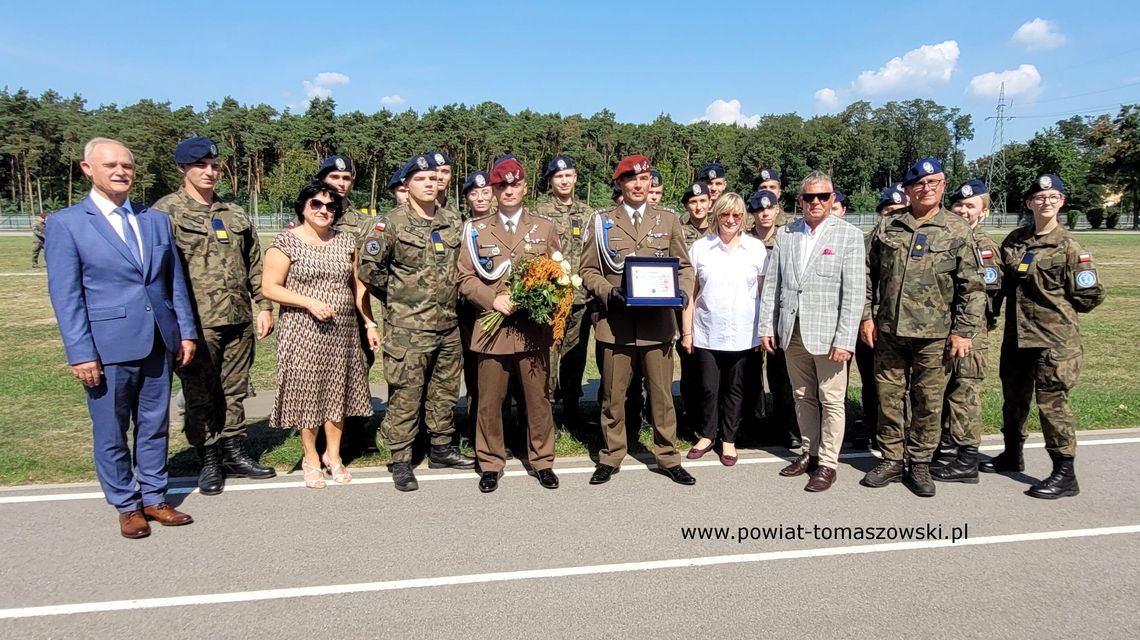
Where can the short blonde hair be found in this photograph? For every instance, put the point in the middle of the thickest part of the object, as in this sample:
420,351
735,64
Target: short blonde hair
985,206
730,202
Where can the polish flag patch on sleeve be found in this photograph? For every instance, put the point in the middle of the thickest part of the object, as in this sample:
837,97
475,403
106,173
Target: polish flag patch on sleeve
379,226
986,254
1084,257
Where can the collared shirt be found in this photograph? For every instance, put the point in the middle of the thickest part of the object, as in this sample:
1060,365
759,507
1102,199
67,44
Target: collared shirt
808,240
630,211
107,208
511,222
726,315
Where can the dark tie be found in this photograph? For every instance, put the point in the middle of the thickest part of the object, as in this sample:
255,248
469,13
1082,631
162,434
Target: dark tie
511,228
636,219
129,236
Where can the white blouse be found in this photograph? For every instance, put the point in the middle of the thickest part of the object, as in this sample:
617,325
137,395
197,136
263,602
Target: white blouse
726,315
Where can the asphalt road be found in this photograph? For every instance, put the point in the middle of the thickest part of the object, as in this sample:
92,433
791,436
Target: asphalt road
273,559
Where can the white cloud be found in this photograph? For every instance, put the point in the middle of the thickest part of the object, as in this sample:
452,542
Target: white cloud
925,67
1039,35
826,99
721,112
322,85
393,100
1023,82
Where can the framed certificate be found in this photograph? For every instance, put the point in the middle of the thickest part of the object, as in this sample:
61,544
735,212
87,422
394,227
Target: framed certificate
652,282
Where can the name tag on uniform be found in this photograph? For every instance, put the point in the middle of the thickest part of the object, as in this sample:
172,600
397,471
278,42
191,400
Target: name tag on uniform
437,242
1023,266
220,232
576,226
919,248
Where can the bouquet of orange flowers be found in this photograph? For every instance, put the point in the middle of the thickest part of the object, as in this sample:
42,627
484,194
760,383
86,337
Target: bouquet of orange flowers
543,287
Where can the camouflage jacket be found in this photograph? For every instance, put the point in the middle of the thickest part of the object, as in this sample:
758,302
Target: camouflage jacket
38,227
771,240
1048,280
692,232
409,264
221,255
569,221
989,257
923,281
353,222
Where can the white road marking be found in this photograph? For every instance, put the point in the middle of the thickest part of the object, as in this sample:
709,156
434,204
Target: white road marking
533,574
470,475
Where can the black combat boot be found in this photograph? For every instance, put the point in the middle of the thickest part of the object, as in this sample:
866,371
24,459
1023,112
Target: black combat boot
403,477
1009,460
947,451
1061,483
886,472
211,480
918,480
446,455
239,465
963,468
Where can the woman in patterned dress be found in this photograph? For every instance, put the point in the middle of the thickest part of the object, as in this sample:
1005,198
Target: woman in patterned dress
321,373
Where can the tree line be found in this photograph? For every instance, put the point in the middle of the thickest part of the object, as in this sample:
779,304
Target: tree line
267,154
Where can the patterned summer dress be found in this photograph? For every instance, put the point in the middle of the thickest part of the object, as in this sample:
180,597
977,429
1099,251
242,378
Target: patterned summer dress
321,374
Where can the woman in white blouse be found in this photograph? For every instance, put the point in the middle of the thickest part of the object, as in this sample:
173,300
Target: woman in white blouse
722,323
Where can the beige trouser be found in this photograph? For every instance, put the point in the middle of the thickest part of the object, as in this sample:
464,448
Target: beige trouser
819,387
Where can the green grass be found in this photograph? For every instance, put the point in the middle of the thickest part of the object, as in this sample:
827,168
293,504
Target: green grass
45,433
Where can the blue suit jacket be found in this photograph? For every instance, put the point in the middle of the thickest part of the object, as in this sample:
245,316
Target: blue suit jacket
106,305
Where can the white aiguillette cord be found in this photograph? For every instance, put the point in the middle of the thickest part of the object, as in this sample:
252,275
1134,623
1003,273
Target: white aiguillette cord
471,236
602,238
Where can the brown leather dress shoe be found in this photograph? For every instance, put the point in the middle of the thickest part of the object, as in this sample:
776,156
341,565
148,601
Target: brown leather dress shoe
167,515
133,525
821,479
801,465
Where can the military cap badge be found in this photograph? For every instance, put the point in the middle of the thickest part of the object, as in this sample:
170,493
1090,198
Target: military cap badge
712,174
765,202
480,181
1045,182
764,175
340,166
967,191
637,167
213,149
422,163
561,164
927,167
697,189
509,177
439,158
896,197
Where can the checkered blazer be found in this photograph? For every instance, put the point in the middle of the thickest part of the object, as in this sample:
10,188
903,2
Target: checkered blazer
827,297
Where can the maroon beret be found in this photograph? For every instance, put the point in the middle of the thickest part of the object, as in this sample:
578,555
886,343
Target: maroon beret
508,171
631,164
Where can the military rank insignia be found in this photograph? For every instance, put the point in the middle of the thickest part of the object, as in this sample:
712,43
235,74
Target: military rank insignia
919,248
1023,266
1086,279
437,243
576,226
220,232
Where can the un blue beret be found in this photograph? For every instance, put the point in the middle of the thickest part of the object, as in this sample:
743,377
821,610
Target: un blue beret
765,175
892,195
478,179
396,179
1045,183
192,150
839,196
762,200
506,156
333,163
439,157
417,163
655,177
556,164
972,188
712,171
920,169
696,189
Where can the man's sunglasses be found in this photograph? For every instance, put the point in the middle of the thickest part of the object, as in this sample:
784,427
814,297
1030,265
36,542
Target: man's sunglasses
812,197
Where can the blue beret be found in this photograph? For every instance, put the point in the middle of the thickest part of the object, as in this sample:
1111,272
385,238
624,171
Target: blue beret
972,188
655,176
192,150
1045,183
892,195
762,200
417,163
923,167
396,179
506,156
441,159
696,189
333,163
616,193
556,164
765,175
478,179
712,171
839,197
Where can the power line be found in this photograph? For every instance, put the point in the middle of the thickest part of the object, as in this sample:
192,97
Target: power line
1089,93
1061,114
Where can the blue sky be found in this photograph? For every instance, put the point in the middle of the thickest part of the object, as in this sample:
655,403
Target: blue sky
638,60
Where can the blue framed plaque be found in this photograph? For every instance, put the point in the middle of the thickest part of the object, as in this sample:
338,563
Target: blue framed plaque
652,282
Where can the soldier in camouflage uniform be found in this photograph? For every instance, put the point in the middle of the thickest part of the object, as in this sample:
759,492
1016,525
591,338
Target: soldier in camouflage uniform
656,190
962,406
769,180
476,194
715,176
1049,278
409,263
695,224
443,175
768,216
568,360
38,225
222,257
924,285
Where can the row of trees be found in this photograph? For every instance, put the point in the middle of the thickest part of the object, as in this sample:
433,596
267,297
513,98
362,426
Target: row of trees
267,154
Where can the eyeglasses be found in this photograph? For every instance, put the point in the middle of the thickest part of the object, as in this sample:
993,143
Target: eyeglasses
1053,199
927,185
734,216
317,205
812,197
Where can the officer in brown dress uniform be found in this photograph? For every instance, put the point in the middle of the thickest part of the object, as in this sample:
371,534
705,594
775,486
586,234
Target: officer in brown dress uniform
635,338
492,244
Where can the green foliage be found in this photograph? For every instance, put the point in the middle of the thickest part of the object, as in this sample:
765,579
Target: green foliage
1072,217
1095,217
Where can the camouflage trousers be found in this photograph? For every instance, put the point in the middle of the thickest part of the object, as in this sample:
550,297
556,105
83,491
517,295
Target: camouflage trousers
215,384
1049,374
37,247
916,368
423,369
568,360
962,404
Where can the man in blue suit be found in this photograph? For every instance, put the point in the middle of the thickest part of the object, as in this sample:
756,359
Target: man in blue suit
124,312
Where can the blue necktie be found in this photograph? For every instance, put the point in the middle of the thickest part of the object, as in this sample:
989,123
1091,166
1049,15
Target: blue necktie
129,236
